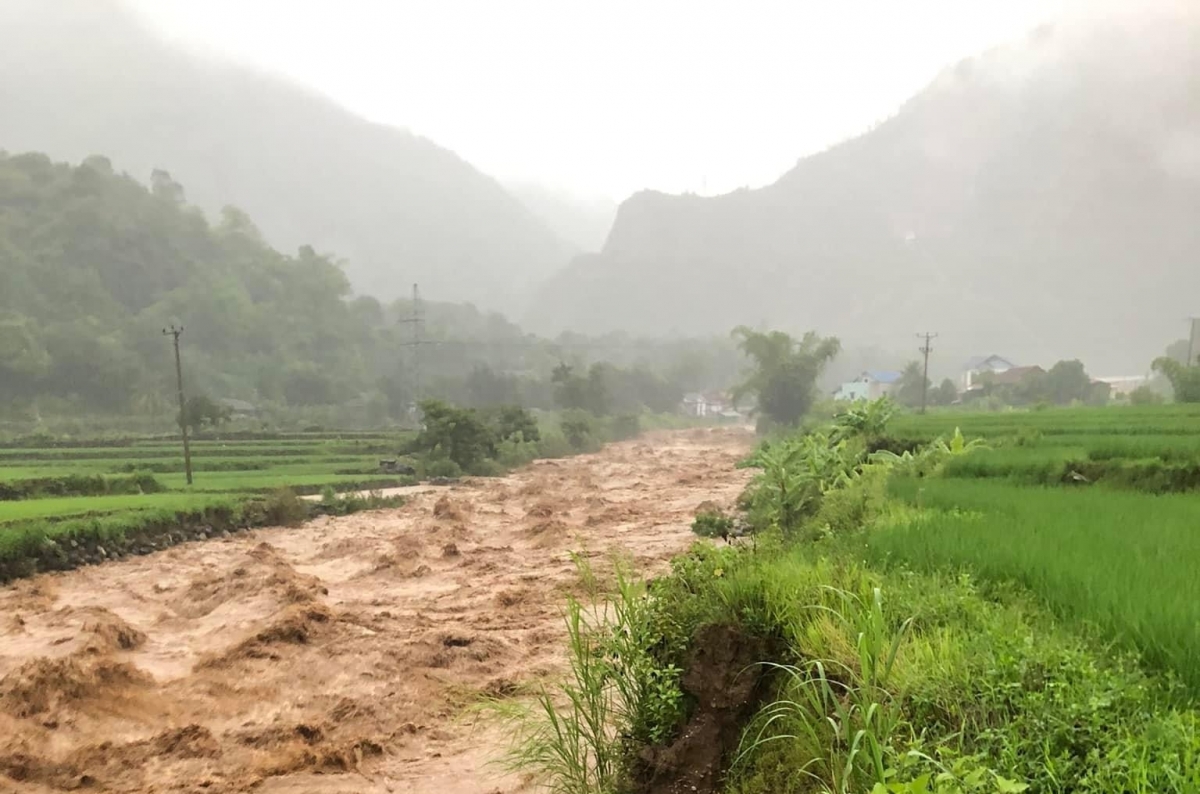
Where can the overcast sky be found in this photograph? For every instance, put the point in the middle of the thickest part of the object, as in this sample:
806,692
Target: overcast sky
609,97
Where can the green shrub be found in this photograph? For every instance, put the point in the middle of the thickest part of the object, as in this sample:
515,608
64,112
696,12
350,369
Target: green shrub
487,468
514,454
554,445
284,508
455,433
581,430
712,524
443,467
514,423
1145,395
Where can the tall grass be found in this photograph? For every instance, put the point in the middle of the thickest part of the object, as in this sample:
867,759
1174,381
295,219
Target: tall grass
1122,562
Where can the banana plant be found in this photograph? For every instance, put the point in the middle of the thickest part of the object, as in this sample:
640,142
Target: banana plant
864,420
958,445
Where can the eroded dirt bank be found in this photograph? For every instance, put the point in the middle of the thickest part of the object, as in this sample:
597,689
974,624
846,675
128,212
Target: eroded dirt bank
336,657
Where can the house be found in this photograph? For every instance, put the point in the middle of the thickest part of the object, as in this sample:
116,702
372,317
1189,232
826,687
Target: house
1122,384
1014,375
978,366
870,385
238,409
712,404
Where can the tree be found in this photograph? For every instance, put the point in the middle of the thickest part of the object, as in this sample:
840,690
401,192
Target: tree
455,433
910,387
570,390
23,360
945,394
1145,395
514,423
201,412
1178,350
590,393
485,388
1185,381
1066,382
164,187
784,373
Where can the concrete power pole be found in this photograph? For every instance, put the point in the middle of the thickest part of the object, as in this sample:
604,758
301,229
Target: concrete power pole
417,320
925,349
183,425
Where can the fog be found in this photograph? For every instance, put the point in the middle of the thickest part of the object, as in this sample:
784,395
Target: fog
1022,178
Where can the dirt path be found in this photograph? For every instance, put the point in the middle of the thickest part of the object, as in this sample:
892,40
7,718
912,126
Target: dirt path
336,657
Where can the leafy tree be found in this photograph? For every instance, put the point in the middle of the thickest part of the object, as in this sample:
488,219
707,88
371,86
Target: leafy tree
945,394
307,384
579,428
23,359
514,423
570,390
590,393
1185,381
1066,382
201,412
1178,350
485,387
455,433
785,371
1145,395
909,388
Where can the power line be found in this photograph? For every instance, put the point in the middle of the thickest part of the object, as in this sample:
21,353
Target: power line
183,417
926,349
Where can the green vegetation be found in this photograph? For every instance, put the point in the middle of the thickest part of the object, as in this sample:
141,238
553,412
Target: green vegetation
783,377
93,265
907,618
1184,378
1118,561
62,506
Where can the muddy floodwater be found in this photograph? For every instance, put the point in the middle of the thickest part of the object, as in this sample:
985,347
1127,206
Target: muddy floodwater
340,656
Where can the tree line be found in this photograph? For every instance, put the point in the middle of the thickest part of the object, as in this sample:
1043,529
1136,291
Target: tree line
93,264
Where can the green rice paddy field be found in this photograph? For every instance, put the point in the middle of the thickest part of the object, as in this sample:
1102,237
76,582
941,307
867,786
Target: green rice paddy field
1096,511
100,487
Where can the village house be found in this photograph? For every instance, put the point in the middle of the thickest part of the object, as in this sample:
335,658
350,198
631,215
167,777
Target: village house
982,364
712,404
1122,385
870,385
238,409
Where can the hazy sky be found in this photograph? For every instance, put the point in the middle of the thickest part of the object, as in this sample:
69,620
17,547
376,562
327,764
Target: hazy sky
608,97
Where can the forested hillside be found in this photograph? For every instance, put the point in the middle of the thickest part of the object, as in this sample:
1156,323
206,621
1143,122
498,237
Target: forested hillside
82,77
93,265
1039,201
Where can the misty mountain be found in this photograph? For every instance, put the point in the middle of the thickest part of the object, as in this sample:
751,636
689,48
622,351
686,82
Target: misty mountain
1040,201
83,77
581,221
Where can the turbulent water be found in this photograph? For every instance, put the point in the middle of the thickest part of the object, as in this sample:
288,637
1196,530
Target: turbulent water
346,649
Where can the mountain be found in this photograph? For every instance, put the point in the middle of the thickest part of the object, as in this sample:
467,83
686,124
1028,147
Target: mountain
82,77
93,265
581,221
1039,201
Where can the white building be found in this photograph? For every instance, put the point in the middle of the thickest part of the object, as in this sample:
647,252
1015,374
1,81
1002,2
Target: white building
981,364
870,385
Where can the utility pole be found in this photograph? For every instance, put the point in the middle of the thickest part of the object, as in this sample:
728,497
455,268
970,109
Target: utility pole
926,349
417,320
187,452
